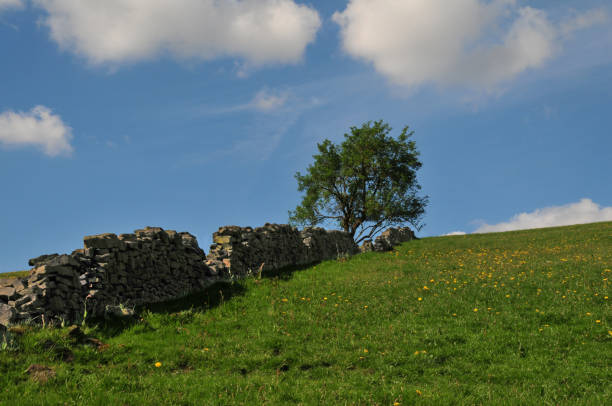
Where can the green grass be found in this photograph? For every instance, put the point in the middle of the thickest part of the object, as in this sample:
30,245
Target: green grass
511,318
16,274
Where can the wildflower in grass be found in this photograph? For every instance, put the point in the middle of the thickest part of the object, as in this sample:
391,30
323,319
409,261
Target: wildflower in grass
418,392
597,321
419,299
610,332
365,307
206,349
158,364
588,314
475,309
396,403
325,298
365,350
425,288
284,299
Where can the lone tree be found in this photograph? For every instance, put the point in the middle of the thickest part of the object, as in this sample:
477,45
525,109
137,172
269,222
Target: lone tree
365,184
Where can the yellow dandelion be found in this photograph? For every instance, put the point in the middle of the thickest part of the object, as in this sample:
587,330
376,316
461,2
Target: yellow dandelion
206,349
325,298
475,309
419,299
588,314
610,332
425,288
365,307
396,403
597,321
365,350
158,364
418,392
284,299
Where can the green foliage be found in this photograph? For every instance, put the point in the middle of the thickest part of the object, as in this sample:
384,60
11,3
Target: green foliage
541,333
365,184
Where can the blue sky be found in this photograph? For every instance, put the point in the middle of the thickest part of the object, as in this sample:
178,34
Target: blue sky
194,114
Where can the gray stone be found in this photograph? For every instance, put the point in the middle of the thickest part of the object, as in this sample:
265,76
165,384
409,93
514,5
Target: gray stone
102,241
7,314
7,294
27,299
367,246
41,259
18,284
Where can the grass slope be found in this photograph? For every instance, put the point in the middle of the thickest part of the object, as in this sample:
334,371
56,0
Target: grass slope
16,274
511,318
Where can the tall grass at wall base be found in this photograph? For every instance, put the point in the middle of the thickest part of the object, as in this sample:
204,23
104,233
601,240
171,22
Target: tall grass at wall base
511,318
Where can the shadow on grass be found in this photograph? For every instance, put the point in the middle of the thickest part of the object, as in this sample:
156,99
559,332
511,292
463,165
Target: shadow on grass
287,272
209,298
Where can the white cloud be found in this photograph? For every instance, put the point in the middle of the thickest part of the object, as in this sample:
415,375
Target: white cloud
39,128
124,31
585,211
455,233
7,4
584,20
461,42
267,101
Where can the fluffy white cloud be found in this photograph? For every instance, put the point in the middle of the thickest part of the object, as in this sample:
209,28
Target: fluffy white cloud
455,233
460,42
38,127
4,4
119,31
585,211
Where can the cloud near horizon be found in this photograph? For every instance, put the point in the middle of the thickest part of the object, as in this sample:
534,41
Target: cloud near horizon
39,127
455,233
582,212
126,31
472,43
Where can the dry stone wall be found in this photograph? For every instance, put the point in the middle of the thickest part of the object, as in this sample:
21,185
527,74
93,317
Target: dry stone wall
389,239
153,265
240,251
148,266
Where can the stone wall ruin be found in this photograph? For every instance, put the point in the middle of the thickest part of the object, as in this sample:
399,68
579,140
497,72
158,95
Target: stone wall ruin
154,265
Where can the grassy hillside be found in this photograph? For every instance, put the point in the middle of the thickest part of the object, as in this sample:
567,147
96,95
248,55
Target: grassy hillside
16,274
511,318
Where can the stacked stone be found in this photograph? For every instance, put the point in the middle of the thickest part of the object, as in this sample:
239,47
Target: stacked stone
389,239
153,265
51,291
238,251
149,266
322,244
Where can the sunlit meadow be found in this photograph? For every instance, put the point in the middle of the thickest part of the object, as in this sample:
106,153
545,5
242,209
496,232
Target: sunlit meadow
511,318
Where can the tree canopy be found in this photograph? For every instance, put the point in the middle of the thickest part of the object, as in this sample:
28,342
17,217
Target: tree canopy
365,184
